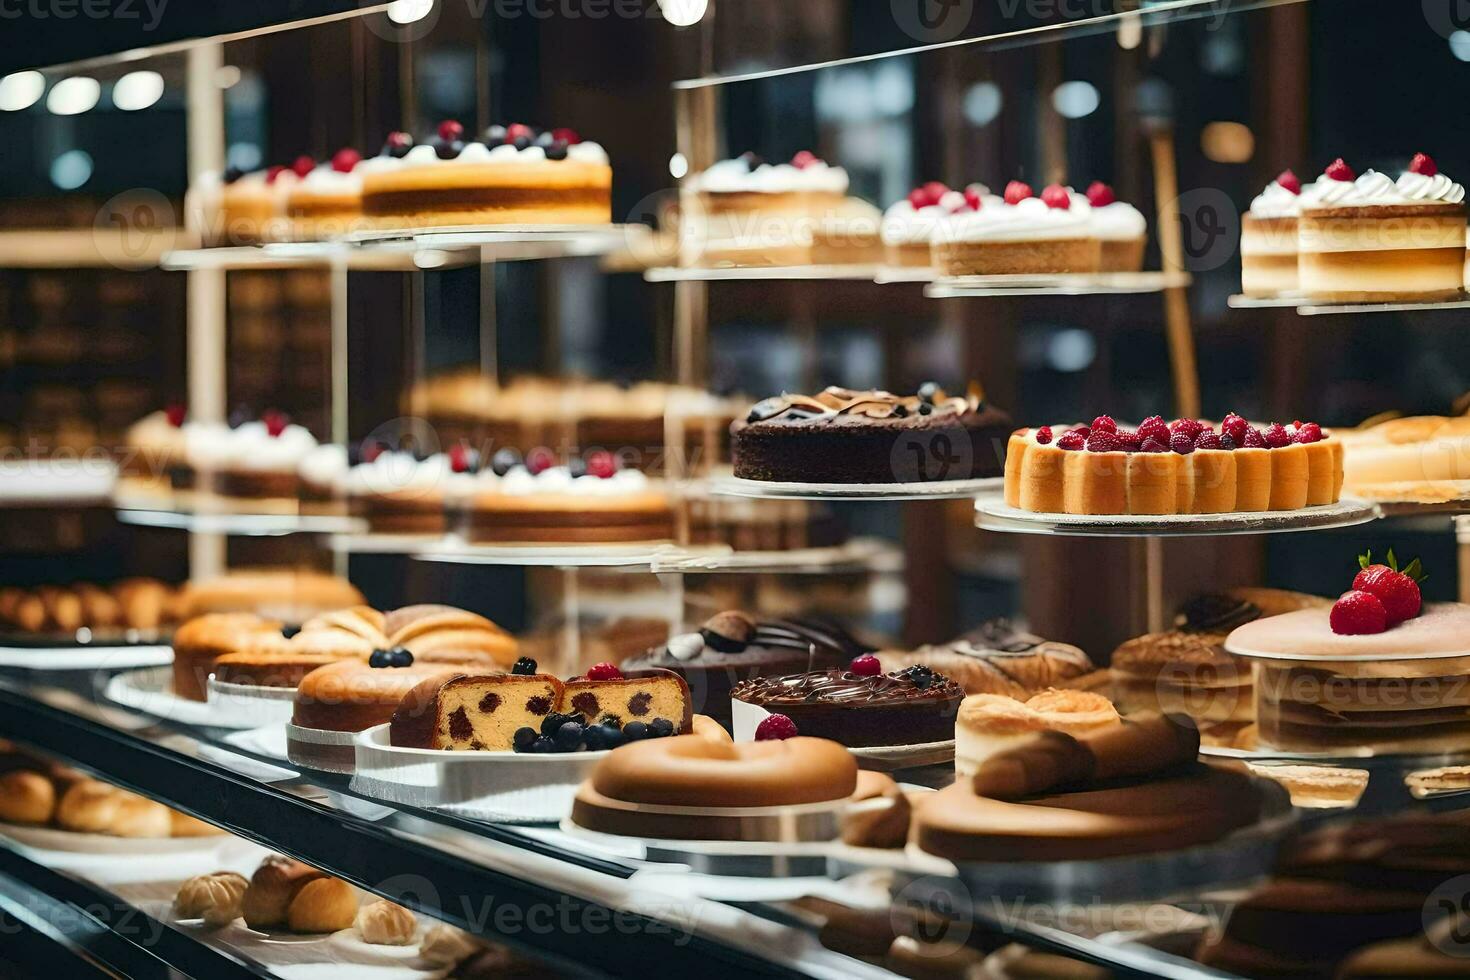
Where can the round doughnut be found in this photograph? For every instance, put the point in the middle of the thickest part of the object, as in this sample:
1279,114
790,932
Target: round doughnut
691,770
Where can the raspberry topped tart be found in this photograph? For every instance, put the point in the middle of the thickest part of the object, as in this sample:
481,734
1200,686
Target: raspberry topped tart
511,175
1180,467
909,225
1022,234
1268,237
846,436
1369,238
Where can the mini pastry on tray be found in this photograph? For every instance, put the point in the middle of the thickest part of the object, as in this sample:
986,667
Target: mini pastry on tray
989,724
1180,467
998,658
250,463
860,706
746,212
139,604
1022,234
1368,238
874,437
286,894
589,500
214,897
1423,459
397,492
37,794
909,225
733,646
1268,239
236,208
384,923
511,175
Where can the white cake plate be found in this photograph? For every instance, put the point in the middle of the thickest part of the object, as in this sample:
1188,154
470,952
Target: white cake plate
150,690
735,486
866,273
1063,284
85,657
993,514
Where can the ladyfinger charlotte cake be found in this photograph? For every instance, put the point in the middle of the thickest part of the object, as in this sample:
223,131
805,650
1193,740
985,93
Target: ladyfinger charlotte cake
511,175
1180,467
1022,234
846,436
1268,239
1370,238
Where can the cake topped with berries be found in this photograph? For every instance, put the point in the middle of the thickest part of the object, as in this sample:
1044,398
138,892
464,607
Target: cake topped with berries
1181,467
749,173
1022,234
859,706
1117,225
327,200
844,436
397,491
514,174
1268,238
908,226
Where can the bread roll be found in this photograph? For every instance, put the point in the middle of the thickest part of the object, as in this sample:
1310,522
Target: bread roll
215,898
183,825
386,924
88,807
272,887
138,816
26,797
322,905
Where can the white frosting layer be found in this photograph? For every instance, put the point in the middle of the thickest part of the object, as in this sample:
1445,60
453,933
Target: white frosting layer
325,180
520,482
378,164
423,154
324,466
1325,190
1278,202
1439,188
1116,222
396,471
904,224
733,176
249,447
1030,220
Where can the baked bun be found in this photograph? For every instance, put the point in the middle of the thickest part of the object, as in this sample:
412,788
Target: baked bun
183,825
138,816
204,639
322,905
26,797
386,924
687,770
88,807
215,898
272,889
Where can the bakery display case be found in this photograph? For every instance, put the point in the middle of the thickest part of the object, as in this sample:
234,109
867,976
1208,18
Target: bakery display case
635,541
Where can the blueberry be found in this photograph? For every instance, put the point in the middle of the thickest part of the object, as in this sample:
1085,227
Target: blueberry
557,150
592,738
543,743
239,416
577,466
928,391
400,657
523,738
525,665
925,408
751,160
611,721
569,737
504,461
290,631
494,135
522,142
552,723
233,174
380,658
608,736
446,149
661,728
635,731
544,139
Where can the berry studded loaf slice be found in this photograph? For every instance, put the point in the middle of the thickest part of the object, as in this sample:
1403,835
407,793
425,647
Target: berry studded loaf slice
473,711
638,695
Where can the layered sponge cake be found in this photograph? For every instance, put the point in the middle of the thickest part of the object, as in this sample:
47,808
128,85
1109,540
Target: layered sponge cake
478,712
1183,467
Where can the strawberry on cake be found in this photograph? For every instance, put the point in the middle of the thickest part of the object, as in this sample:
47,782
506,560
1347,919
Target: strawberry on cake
908,226
238,208
1022,235
1180,467
155,461
511,175
745,212
1369,238
327,201
1268,239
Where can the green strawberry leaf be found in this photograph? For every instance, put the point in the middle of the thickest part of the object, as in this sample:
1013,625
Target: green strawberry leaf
1393,562
1365,559
1415,571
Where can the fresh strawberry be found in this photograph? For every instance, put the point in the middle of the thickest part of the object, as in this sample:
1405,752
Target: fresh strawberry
1309,433
918,199
1277,436
974,199
1072,441
1290,181
540,459
1102,441
1181,443
935,190
272,172
774,728
1016,192
303,165
450,130
604,672
601,464
803,159
866,666
1397,590
275,422
1043,435
1056,196
1153,427
1423,164
1338,170
1105,423
567,135
1100,195
1356,613
1189,427
345,159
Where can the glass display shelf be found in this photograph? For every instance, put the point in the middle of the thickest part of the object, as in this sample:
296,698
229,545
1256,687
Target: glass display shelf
734,486
993,514
386,257
761,272
1306,306
504,243
239,524
51,483
856,555
1104,284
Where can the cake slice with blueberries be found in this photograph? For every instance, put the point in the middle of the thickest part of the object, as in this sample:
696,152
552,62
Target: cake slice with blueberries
479,712
606,693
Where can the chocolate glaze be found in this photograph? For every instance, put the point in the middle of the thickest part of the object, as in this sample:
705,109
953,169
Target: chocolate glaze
1215,613
858,710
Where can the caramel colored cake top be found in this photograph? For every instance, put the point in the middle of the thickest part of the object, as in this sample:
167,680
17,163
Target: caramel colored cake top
845,406
1441,630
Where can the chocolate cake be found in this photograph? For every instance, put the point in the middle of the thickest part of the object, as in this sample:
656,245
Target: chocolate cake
846,436
732,647
910,707
469,711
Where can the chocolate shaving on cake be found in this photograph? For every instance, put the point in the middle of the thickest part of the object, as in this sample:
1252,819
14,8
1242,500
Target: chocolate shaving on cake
1215,613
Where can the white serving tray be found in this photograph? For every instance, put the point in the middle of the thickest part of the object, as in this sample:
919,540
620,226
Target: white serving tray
251,705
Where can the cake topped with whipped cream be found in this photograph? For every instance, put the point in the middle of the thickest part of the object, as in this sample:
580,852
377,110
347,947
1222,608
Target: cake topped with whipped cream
1370,238
1268,238
908,225
751,174
327,201
1118,225
249,458
1022,234
513,174
1282,198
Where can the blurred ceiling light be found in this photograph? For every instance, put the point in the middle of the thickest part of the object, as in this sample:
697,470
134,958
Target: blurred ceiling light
678,166
71,170
227,76
683,13
409,11
1075,99
245,156
1071,350
983,102
1227,142
1460,45
1130,32
21,90
1223,55
71,96
137,90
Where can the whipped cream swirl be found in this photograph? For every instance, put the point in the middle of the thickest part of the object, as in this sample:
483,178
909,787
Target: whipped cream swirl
735,176
1438,188
1277,201
1031,219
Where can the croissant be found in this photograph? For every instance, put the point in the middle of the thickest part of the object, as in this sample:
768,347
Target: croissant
215,898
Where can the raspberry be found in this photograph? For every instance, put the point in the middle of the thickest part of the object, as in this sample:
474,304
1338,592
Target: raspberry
802,160
176,413
272,172
513,132
1311,432
774,728
1083,430
539,459
303,165
1153,427
1227,441
1356,613
275,422
1277,436
1129,440
935,190
1253,438
1016,192
973,198
1338,170
1189,427
1072,441
604,672
449,131
1103,442
345,159
1043,435
918,199
459,458
1153,446
1105,423
1100,195
1423,164
1208,440
866,666
567,135
1056,196
601,463
1234,426
1181,443
1290,181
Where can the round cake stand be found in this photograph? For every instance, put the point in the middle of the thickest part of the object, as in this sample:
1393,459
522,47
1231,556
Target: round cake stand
933,490
1396,781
